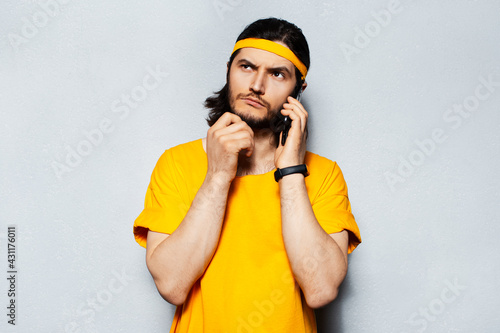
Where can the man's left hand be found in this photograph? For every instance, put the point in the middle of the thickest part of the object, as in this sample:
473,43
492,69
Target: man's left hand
294,150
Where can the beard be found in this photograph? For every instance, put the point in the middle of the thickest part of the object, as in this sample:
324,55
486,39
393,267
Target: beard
255,123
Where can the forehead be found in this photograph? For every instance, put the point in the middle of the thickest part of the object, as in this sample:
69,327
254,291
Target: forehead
264,58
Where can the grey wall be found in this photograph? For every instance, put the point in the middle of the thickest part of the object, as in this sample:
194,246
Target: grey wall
398,95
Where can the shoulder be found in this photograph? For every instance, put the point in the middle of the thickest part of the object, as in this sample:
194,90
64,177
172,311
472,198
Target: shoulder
186,162
319,163
324,174
187,152
187,147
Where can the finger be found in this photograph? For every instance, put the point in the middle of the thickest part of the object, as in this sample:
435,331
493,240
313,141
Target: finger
294,104
296,109
233,128
299,110
226,119
298,121
295,101
238,141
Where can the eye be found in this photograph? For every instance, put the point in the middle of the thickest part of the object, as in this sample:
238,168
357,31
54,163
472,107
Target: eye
279,74
245,66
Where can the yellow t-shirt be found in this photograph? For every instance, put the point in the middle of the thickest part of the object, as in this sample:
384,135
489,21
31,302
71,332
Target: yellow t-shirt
248,286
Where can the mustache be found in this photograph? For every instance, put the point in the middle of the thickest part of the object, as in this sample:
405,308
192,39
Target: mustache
254,96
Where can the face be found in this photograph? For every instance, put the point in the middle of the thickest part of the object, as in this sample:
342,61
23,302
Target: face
259,83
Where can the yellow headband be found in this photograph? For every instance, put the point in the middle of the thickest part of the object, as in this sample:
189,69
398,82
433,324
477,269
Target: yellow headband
267,45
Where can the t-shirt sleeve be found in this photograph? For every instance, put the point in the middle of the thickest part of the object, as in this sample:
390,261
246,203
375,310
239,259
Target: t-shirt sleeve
333,209
165,207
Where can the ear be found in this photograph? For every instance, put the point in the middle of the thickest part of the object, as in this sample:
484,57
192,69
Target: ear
227,67
304,86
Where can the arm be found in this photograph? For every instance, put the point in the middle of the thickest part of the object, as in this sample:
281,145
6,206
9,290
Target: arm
178,260
318,260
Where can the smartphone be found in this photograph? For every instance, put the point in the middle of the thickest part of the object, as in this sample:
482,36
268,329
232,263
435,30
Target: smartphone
288,122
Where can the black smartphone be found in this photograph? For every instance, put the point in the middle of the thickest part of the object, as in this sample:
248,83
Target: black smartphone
288,122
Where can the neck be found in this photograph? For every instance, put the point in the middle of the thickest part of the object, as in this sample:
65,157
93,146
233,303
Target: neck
262,159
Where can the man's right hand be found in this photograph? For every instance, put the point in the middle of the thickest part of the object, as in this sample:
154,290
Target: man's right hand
225,140
175,267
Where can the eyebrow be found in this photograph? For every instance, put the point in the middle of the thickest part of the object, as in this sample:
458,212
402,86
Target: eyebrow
271,69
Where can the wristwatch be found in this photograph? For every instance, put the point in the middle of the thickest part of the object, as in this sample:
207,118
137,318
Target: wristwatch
280,173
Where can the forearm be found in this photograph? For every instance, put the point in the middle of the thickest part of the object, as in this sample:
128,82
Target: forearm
180,259
318,264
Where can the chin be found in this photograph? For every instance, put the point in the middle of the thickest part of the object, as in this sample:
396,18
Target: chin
252,120
246,111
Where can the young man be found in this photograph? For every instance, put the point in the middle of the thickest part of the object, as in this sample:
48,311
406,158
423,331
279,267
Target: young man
246,231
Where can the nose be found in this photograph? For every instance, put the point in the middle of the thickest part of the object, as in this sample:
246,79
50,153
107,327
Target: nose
258,83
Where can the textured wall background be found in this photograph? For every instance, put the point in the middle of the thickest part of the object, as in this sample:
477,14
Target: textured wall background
405,96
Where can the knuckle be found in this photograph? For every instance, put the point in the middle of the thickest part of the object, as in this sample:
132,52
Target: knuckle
233,116
247,130
230,146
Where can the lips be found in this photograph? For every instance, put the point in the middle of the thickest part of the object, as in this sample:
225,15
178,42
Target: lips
253,102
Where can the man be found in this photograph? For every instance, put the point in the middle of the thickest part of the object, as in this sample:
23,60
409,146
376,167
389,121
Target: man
246,231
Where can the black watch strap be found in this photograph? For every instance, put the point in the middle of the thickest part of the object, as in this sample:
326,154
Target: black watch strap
280,173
